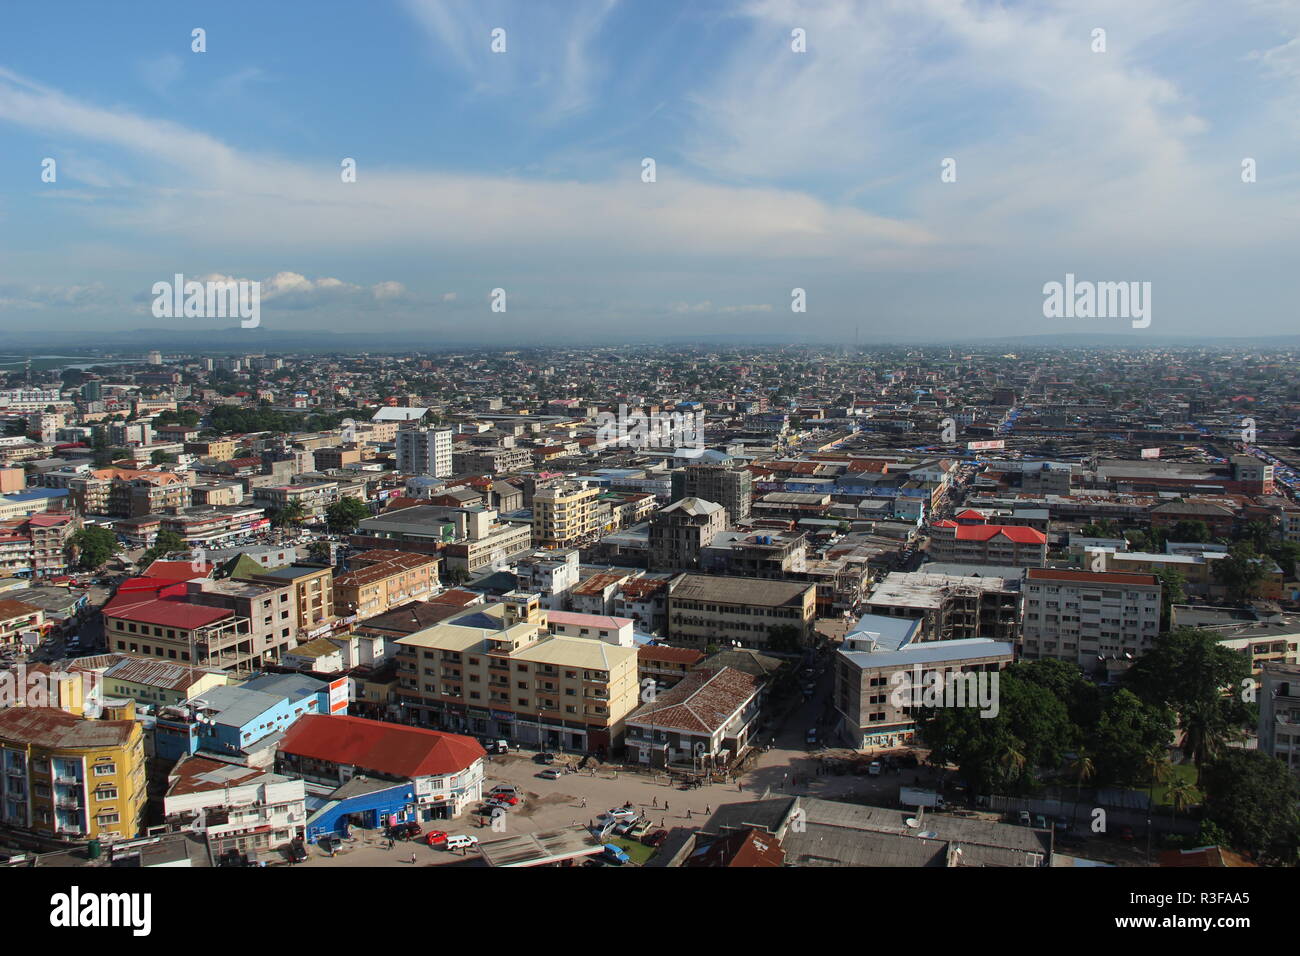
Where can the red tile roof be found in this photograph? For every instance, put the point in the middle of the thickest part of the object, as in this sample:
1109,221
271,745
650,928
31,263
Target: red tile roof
392,749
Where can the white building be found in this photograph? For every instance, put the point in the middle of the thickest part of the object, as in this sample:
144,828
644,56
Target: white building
550,574
1089,617
425,451
236,807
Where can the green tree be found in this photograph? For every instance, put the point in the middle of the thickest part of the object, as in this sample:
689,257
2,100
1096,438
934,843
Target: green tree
1192,531
291,515
94,546
343,516
319,552
161,457
1173,588
1252,797
1189,671
1240,572
785,638
1126,730
167,542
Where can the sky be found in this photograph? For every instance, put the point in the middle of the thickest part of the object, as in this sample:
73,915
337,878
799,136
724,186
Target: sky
774,169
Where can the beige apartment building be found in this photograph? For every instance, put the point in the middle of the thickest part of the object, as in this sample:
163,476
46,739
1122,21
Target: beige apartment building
382,580
564,514
712,609
493,671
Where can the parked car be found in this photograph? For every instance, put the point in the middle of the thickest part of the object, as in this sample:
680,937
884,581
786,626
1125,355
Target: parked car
1040,821
624,828
638,830
616,855
503,799
1024,819
622,813
547,758
1061,825
297,851
875,768
811,736
550,773
435,837
405,831
461,841
504,788
655,838
328,844
1126,833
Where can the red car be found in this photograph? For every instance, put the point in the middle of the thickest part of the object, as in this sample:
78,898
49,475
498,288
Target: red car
436,838
507,798
655,837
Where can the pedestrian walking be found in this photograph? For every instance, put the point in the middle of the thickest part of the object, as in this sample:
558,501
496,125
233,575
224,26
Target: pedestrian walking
412,859
584,801
654,801
688,813
666,807
707,808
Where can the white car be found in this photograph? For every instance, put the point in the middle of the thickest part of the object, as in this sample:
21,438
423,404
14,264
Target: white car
461,841
621,814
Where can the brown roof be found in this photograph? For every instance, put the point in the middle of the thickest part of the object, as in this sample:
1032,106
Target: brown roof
670,655
52,728
1091,577
751,847
701,703
11,609
199,774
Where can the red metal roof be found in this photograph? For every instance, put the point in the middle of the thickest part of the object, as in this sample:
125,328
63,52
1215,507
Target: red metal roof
984,532
167,613
392,749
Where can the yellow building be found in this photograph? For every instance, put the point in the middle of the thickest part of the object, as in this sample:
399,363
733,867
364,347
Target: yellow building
494,671
564,514
69,777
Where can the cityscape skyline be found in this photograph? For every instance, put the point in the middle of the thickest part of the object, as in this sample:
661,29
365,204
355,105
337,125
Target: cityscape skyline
775,170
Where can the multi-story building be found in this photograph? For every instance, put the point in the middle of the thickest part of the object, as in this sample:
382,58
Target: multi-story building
549,574
425,451
127,493
492,460
381,580
220,449
679,532
978,543
951,606
755,555
564,514
313,596
1088,617
72,778
494,671
705,609
234,807
38,545
314,496
147,681
1279,713
883,660
729,486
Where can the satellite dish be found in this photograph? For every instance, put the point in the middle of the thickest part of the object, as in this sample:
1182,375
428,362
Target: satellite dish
913,822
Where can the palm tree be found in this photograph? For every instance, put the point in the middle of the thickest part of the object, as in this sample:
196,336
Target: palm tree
292,515
1181,795
1083,769
1012,762
1156,762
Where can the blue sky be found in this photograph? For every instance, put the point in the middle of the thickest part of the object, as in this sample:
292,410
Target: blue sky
775,169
